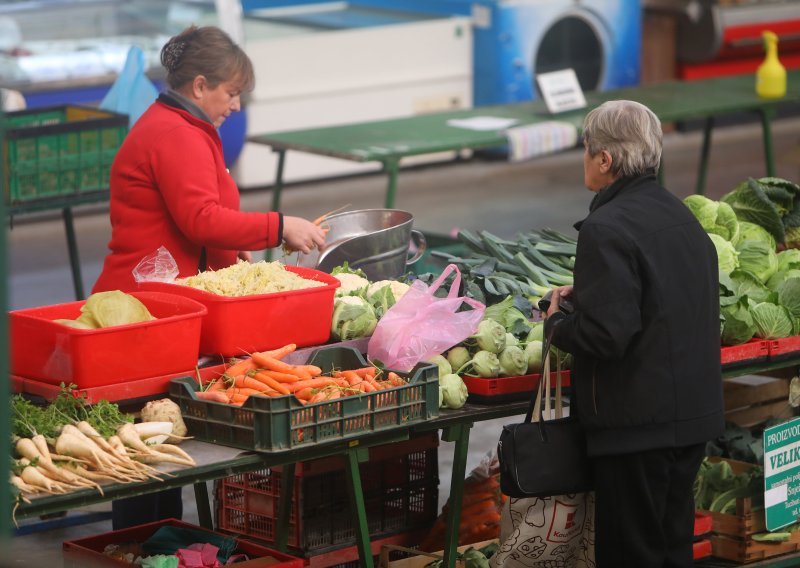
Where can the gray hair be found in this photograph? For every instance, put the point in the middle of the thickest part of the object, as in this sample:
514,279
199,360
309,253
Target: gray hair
627,130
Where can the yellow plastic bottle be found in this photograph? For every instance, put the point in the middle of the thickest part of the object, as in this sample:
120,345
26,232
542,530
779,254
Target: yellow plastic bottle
771,74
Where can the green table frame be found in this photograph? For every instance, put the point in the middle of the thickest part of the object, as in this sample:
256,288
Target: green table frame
454,424
65,204
389,141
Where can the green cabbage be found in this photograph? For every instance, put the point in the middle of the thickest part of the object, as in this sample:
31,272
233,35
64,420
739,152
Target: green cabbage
727,257
751,203
353,317
780,276
739,326
746,283
789,259
757,257
454,391
789,295
772,322
714,216
751,232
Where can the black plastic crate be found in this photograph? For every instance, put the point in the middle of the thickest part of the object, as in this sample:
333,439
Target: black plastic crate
283,423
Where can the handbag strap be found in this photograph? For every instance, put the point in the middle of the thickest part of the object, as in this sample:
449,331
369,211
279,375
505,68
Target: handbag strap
535,412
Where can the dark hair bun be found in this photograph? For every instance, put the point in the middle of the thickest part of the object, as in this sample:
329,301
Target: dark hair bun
172,53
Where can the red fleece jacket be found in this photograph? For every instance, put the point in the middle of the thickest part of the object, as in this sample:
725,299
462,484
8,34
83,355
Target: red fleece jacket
170,187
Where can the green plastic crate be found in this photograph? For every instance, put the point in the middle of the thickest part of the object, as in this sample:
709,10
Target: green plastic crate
274,424
60,151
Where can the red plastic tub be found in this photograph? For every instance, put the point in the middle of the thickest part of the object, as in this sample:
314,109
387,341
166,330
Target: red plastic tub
234,326
151,387
50,352
88,552
499,390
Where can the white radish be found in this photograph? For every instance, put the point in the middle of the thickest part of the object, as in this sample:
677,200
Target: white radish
17,482
156,457
130,437
27,449
157,439
82,447
174,450
33,476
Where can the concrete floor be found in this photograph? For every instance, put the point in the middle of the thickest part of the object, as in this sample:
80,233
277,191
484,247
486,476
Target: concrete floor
475,194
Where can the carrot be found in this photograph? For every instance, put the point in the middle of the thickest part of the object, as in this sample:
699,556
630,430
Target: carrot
216,385
240,367
272,364
304,394
351,377
280,377
214,396
365,372
396,380
317,383
271,383
243,381
312,370
240,398
279,353
245,391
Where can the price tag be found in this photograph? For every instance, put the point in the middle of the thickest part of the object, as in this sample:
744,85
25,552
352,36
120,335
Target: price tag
561,90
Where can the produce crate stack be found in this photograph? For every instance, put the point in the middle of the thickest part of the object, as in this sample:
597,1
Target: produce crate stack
732,537
60,151
400,483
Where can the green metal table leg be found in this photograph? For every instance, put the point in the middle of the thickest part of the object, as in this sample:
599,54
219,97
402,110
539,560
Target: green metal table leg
766,130
276,191
460,435
284,507
278,187
704,152
72,248
352,457
203,505
392,167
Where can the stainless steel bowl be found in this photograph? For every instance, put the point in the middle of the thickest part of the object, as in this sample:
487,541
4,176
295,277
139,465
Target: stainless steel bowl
375,240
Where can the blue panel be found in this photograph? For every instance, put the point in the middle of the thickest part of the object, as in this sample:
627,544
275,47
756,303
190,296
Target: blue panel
505,50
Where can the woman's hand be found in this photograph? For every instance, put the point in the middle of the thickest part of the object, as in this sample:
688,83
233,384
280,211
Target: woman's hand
558,293
301,235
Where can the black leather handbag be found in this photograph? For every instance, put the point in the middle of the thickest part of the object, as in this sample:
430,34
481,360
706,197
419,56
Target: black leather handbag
543,457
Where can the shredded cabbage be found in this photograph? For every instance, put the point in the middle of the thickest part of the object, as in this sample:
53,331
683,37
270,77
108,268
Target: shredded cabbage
247,279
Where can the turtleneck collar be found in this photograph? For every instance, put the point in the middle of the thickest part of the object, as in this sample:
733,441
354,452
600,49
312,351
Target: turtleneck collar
174,98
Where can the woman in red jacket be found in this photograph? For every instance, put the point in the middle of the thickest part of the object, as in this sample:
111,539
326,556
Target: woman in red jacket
169,183
170,188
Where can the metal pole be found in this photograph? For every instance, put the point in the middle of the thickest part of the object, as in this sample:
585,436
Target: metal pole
5,425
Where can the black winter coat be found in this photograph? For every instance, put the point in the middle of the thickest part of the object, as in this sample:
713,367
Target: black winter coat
645,335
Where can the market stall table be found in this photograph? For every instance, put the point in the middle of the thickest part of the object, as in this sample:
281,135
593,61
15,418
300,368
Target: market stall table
214,462
389,141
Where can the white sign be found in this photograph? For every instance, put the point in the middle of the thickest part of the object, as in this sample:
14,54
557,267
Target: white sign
561,90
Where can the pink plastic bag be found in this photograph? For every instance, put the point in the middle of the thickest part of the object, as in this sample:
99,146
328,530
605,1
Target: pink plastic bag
420,325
